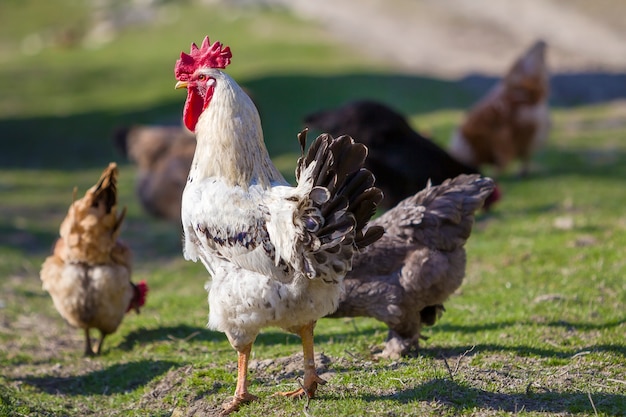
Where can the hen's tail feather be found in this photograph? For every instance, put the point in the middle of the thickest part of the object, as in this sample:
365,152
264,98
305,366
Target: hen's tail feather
365,200
468,191
106,188
94,241
357,183
119,221
440,216
351,155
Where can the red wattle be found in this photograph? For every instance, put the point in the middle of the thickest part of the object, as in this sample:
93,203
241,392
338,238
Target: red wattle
193,109
143,292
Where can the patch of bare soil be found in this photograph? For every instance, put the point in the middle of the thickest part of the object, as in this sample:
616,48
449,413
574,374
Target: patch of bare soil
272,372
173,384
34,341
500,382
287,369
46,339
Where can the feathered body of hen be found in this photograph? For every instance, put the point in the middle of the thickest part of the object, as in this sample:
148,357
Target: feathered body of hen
403,278
88,274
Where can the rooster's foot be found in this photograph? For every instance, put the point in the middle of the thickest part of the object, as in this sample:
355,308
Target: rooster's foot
236,402
307,389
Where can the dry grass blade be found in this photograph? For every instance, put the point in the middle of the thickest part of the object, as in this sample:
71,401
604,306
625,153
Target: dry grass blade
595,411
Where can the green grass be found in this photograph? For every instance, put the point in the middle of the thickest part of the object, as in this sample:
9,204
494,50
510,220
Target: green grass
536,329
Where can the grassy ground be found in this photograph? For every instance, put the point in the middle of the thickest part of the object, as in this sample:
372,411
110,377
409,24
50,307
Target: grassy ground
536,329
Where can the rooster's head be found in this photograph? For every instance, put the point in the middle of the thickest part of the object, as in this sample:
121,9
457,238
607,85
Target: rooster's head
196,72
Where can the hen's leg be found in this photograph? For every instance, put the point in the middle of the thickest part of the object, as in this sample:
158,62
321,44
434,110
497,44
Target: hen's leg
398,345
88,350
311,379
242,395
99,344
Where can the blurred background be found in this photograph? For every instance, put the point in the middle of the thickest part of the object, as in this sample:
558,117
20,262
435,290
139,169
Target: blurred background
73,70
545,267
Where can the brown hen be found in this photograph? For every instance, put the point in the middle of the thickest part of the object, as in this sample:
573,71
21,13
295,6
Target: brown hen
88,273
403,278
512,120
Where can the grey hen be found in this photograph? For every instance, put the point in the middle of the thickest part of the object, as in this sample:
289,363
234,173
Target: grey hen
403,278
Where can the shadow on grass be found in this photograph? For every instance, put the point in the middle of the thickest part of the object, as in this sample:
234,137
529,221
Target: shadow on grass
520,350
195,334
115,379
463,398
34,242
267,337
569,162
562,353
577,162
74,142
83,140
273,337
182,332
503,324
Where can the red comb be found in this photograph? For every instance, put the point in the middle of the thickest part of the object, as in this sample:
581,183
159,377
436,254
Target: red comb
208,55
493,198
142,286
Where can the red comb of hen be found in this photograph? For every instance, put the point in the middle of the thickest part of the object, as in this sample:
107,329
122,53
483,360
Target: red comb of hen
208,55
493,198
143,291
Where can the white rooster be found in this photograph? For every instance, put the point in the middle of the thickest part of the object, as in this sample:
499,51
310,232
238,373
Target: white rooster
277,254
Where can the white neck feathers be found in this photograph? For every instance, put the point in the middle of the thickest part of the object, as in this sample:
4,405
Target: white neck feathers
230,139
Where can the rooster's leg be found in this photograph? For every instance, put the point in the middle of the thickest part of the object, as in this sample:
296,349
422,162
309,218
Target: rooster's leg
242,395
99,344
311,379
88,350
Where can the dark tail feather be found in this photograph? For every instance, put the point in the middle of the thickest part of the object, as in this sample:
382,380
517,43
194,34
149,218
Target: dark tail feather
339,169
106,188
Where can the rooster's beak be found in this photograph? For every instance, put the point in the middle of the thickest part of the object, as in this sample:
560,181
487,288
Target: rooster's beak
181,84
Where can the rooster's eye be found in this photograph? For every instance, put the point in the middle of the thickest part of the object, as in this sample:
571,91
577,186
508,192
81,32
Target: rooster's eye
201,77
